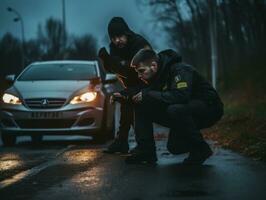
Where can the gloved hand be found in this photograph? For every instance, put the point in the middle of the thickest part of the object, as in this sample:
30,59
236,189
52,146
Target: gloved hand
103,54
118,97
137,98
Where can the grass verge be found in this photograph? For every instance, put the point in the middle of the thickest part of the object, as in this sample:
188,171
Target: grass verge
243,126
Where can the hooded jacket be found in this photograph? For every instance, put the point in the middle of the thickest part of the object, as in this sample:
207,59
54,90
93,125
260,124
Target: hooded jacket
178,83
119,60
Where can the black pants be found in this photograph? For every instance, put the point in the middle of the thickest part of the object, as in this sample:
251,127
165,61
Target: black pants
184,121
126,120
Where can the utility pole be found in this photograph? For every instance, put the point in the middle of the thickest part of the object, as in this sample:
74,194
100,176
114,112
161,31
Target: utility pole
213,36
64,23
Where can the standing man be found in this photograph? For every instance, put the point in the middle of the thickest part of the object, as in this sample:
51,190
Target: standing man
124,45
177,97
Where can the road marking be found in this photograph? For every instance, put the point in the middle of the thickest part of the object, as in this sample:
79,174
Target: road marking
33,171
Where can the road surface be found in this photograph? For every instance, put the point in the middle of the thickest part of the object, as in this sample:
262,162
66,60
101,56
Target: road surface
76,168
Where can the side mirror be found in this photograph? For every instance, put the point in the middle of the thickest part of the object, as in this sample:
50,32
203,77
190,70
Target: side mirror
10,78
110,78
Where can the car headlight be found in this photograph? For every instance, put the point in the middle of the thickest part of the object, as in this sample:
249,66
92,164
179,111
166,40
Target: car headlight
84,98
11,99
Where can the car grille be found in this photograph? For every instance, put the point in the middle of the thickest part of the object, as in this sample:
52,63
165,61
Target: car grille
45,123
45,103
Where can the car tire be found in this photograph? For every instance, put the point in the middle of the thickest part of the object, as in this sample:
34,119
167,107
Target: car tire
8,140
102,135
100,138
36,139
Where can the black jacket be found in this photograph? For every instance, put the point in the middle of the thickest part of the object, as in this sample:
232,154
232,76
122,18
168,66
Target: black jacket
119,60
178,83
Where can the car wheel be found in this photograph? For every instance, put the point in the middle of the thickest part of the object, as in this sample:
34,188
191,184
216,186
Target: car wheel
36,139
8,140
100,138
102,135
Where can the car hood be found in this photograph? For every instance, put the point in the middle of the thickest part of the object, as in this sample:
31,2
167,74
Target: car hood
49,89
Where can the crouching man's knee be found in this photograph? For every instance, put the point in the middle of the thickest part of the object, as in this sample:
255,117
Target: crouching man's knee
176,110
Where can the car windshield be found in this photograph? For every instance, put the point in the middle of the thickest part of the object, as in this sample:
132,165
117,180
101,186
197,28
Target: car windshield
66,71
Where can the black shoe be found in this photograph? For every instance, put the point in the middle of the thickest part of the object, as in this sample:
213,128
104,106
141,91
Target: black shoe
198,157
136,149
118,146
142,158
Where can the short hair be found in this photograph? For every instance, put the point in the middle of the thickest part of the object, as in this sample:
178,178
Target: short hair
145,56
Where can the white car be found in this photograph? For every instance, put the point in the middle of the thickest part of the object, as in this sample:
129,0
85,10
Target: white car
58,97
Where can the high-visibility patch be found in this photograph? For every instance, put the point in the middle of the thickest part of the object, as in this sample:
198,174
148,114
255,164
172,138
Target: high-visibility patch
177,78
165,87
181,85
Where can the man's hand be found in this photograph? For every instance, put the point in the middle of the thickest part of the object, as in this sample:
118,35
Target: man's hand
117,97
137,98
103,53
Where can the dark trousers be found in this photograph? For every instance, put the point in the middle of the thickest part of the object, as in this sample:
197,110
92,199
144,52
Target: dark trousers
126,120
184,121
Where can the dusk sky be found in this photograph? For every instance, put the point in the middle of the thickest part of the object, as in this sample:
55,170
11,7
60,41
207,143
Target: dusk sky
82,16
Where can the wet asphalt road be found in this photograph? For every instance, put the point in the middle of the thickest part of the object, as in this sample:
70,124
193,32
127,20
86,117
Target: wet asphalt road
76,168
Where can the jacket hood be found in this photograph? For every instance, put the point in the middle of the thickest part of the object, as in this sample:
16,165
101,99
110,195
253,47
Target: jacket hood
117,26
168,57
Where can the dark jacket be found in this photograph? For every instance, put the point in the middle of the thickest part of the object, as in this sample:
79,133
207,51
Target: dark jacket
118,61
178,83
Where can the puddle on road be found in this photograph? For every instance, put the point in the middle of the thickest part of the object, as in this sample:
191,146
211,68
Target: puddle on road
16,160
89,179
9,161
9,164
79,156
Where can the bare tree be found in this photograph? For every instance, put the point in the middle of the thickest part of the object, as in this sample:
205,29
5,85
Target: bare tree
10,55
241,30
83,48
51,39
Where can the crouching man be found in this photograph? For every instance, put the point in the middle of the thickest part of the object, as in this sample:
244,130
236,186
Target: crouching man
177,97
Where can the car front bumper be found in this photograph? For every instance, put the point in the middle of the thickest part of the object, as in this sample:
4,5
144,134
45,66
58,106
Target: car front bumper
70,120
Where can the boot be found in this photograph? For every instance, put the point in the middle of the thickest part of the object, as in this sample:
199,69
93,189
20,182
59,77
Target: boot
198,155
142,157
118,146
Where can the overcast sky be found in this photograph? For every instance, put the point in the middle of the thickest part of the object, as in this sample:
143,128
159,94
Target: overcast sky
82,16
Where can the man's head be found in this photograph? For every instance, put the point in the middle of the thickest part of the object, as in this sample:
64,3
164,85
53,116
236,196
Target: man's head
145,62
118,31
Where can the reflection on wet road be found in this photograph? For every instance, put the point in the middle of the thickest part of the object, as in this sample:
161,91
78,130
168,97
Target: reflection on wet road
10,161
25,156
80,170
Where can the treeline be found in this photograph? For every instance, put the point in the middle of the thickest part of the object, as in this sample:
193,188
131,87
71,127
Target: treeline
51,44
241,31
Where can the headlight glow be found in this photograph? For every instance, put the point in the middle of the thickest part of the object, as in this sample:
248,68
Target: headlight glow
11,99
84,98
